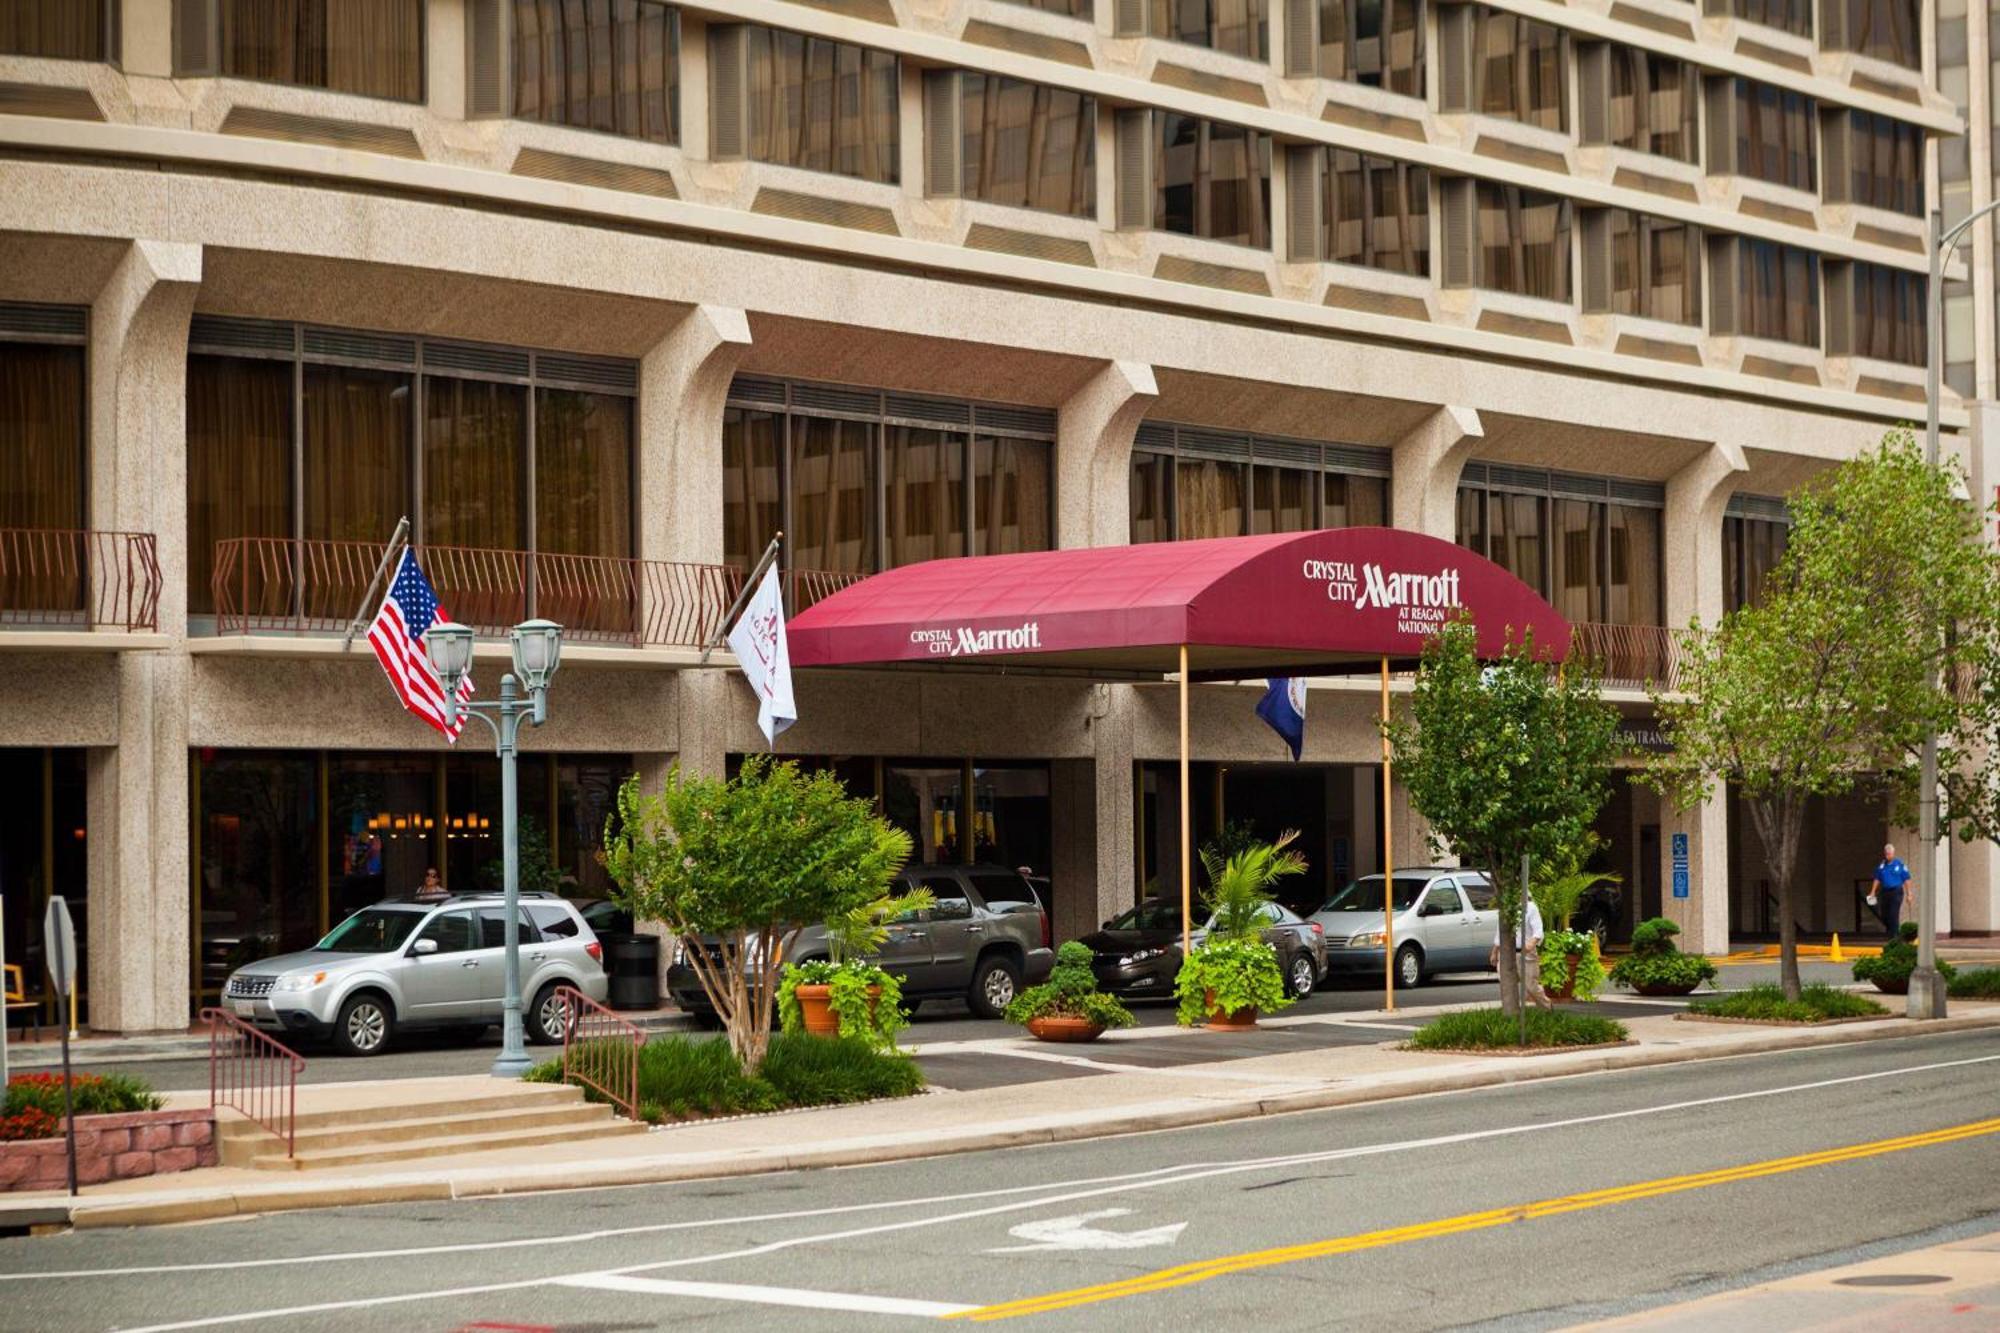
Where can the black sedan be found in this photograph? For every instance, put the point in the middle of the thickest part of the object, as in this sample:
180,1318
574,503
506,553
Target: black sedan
1138,954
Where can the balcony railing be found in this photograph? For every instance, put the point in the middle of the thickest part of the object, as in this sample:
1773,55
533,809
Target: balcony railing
1630,656
803,587
268,585
63,577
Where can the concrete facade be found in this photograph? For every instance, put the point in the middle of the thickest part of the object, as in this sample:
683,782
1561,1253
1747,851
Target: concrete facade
218,196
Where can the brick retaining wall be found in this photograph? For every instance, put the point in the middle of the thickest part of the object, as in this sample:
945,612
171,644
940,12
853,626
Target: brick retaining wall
113,1147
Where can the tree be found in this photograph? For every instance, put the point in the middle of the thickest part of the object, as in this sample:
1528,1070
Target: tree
1878,609
735,867
1504,760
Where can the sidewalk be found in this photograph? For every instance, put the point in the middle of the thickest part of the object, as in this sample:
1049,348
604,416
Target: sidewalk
1128,1100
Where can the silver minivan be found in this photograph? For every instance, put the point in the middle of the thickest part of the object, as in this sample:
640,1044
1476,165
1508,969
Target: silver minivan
1444,922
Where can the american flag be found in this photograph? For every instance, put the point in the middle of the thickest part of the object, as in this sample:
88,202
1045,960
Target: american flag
397,636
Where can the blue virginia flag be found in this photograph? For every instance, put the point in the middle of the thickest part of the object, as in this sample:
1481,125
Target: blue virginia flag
1284,707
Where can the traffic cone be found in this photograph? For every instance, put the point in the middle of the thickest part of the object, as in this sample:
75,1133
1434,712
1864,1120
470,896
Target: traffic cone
1833,955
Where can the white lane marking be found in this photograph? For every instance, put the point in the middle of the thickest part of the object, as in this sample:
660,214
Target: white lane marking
1187,1172
735,1291
362,1303
1076,1233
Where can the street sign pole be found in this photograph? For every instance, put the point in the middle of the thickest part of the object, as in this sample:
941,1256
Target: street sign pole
59,942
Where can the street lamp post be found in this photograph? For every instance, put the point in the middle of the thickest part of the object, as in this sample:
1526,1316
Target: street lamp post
537,653
1927,989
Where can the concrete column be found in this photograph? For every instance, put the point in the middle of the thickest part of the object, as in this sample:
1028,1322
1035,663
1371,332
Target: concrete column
1411,831
1094,432
138,790
683,384
1092,821
1423,481
694,87
444,58
146,38
704,703
1703,915
1696,497
1975,867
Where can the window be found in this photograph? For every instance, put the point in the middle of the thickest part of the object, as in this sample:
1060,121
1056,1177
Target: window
1591,546
1779,297
1478,893
1236,26
42,468
1888,163
1028,145
451,930
821,105
1793,16
59,29
1524,241
1379,43
551,921
510,452
374,48
1073,8
1652,103
1377,212
1654,267
606,65
1774,135
873,488
1752,547
1520,69
1213,180
1188,482
1889,314
493,928
1442,900
1886,30
1003,889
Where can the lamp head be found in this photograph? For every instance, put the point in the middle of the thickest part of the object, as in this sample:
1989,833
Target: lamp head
448,644
537,652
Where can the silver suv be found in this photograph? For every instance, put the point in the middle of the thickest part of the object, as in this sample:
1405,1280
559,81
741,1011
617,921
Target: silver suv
408,964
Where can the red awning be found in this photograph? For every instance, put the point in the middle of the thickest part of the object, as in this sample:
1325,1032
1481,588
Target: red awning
1291,603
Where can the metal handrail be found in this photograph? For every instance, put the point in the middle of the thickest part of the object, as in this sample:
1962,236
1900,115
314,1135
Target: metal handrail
74,576
1629,654
601,1050
803,587
254,1073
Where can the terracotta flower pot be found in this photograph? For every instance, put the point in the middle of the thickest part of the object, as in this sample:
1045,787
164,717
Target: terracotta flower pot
1236,1020
1061,1027
816,1009
1896,986
1567,990
1662,988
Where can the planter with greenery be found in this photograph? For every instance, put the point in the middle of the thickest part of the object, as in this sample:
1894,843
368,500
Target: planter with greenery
846,995
1890,971
1232,975
1571,968
1495,1029
1068,1006
1818,1003
1979,983
1656,966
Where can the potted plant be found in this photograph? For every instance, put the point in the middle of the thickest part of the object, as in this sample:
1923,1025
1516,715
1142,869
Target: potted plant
1571,967
845,995
1232,974
1656,966
1890,971
1068,1006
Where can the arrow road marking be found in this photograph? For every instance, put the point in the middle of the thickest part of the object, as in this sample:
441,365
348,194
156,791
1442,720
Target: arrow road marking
1076,1233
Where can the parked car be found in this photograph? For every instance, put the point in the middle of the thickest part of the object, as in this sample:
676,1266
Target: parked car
985,938
1138,953
402,965
1445,919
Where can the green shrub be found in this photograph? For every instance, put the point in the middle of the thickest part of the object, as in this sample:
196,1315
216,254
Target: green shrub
1816,1004
1070,992
1656,960
875,1019
1655,935
1242,974
1898,960
90,1094
701,1077
548,1071
1981,983
818,1071
1558,946
1486,1029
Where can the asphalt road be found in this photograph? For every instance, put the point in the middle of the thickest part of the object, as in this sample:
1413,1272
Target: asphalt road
419,1055
1439,1212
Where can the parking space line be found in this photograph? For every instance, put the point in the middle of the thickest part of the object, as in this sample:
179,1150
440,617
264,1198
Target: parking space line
755,1295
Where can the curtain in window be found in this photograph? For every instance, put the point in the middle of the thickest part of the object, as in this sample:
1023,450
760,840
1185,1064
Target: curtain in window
1238,27
833,494
607,65
41,463
1377,212
823,106
1283,500
1774,137
1653,273
239,450
1379,43
1471,533
1209,499
1524,241
475,464
1579,536
751,508
1888,167
1514,538
1011,495
583,473
371,47
925,476
356,485
1214,180
1073,8
1636,556
1780,297
1889,314
1652,104
1520,69
1886,30
1793,16
1151,513
53,29
1028,145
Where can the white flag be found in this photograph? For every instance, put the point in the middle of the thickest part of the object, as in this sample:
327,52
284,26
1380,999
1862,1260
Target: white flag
760,647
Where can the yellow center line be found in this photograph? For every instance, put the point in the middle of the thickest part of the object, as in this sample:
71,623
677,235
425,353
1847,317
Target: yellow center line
1187,1274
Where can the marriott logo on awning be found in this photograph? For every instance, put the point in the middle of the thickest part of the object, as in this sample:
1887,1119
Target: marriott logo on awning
964,642
1438,591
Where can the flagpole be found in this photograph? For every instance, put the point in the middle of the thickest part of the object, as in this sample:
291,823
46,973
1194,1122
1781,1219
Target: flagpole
743,595
1187,849
388,554
1388,860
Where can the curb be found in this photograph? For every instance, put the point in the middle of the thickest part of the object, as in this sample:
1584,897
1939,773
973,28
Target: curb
44,1213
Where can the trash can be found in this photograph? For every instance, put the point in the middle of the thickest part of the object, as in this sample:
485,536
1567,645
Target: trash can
633,962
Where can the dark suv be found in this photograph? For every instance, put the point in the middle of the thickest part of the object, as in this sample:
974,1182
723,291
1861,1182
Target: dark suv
986,937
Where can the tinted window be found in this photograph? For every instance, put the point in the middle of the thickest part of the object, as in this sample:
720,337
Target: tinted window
1442,899
554,922
952,904
493,928
1153,914
1365,895
1480,894
1003,889
451,930
376,930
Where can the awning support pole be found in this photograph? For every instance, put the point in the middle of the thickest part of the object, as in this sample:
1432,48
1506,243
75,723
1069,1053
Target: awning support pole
1187,829
1388,860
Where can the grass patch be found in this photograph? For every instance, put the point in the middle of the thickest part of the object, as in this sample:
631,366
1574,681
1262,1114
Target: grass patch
1490,1029
1979,983
684,1079
1816,1004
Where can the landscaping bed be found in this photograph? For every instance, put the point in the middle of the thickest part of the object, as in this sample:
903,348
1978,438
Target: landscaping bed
1817,1005
1979,983
1492,1032
121,1132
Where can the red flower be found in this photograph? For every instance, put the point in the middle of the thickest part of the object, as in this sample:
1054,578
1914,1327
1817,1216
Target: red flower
29,1123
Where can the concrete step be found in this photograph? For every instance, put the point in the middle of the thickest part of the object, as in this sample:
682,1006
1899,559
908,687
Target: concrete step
445,1126
448,1145
362,1112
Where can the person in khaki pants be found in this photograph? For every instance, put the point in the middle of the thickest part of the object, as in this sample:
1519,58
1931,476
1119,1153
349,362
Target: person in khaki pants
1531,951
